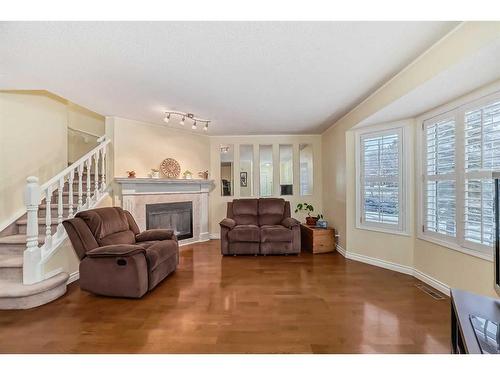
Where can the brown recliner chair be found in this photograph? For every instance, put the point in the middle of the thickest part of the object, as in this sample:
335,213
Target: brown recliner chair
259,226
115,259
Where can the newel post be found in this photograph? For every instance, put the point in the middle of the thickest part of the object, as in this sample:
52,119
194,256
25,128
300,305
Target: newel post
32,254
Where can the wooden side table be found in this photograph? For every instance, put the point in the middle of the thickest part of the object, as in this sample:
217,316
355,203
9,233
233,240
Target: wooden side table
317,240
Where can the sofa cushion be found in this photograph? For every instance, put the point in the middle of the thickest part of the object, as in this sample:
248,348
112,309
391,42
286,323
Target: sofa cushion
275,233
125,237
160,252
245,211
244,233
109,225
271,211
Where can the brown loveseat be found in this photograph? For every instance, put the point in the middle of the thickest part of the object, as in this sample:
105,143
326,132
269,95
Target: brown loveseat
115,259
259,226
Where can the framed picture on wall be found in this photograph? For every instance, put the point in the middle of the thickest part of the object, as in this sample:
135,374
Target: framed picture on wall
243,179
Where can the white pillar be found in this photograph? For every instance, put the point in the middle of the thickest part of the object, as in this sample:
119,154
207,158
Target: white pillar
32,255
203,218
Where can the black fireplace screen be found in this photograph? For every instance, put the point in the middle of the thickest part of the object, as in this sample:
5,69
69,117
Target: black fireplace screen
177,216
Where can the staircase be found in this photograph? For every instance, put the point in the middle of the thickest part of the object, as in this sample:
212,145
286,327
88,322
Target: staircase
31,240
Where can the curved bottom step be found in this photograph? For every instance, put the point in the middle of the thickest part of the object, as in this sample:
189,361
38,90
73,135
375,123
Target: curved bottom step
17,296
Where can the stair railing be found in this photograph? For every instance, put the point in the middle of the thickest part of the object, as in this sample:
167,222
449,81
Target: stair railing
94,161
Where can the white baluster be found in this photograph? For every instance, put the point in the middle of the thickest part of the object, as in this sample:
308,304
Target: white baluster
71,178
89,164
103,169
32,255
96,176
48,218
60,201
80,188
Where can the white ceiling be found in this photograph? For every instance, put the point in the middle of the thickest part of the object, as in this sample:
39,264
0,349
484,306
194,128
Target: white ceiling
248,77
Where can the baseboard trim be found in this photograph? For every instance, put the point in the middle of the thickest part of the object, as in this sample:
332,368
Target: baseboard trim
380,263
73,277
214,236
341,250
407,270
429,280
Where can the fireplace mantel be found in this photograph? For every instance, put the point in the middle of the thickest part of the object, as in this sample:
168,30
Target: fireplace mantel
162,185
135,193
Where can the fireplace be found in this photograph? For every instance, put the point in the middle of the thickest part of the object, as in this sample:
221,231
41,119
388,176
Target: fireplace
177,216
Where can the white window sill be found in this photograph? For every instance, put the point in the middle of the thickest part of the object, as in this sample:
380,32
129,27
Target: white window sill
454,246
383,230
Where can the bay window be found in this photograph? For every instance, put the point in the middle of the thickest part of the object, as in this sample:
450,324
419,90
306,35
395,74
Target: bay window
461,149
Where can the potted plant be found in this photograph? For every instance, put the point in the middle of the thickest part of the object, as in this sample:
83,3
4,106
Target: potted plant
306,207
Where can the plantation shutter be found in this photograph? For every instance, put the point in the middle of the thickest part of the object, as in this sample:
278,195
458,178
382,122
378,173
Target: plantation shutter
380,167
482,155
440,177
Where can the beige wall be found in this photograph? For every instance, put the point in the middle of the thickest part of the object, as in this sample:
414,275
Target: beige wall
333,145
454,268
141,146
33,142
218,203
451,267
86,121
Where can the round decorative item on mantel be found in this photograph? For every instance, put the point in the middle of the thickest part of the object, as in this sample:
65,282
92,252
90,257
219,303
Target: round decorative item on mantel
170,168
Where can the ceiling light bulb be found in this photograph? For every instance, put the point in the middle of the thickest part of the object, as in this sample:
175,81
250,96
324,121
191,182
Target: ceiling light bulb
182,121
205,127
167,118
194,126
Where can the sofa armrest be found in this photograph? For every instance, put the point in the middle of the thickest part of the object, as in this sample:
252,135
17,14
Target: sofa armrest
228,223
290,222
115,251
155,235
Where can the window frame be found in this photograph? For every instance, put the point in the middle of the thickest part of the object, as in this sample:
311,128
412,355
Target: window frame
310,173
292,165
456,110
404,178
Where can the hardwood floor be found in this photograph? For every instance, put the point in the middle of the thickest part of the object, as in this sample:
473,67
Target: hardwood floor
213,304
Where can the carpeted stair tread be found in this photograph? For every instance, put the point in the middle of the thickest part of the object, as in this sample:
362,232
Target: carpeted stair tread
15,289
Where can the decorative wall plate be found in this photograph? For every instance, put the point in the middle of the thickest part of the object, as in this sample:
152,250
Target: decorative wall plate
170,168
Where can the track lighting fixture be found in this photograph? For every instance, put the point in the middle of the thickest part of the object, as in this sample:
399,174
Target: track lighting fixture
186,116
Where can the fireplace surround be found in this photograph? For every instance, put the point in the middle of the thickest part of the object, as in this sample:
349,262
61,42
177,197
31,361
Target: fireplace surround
136,194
